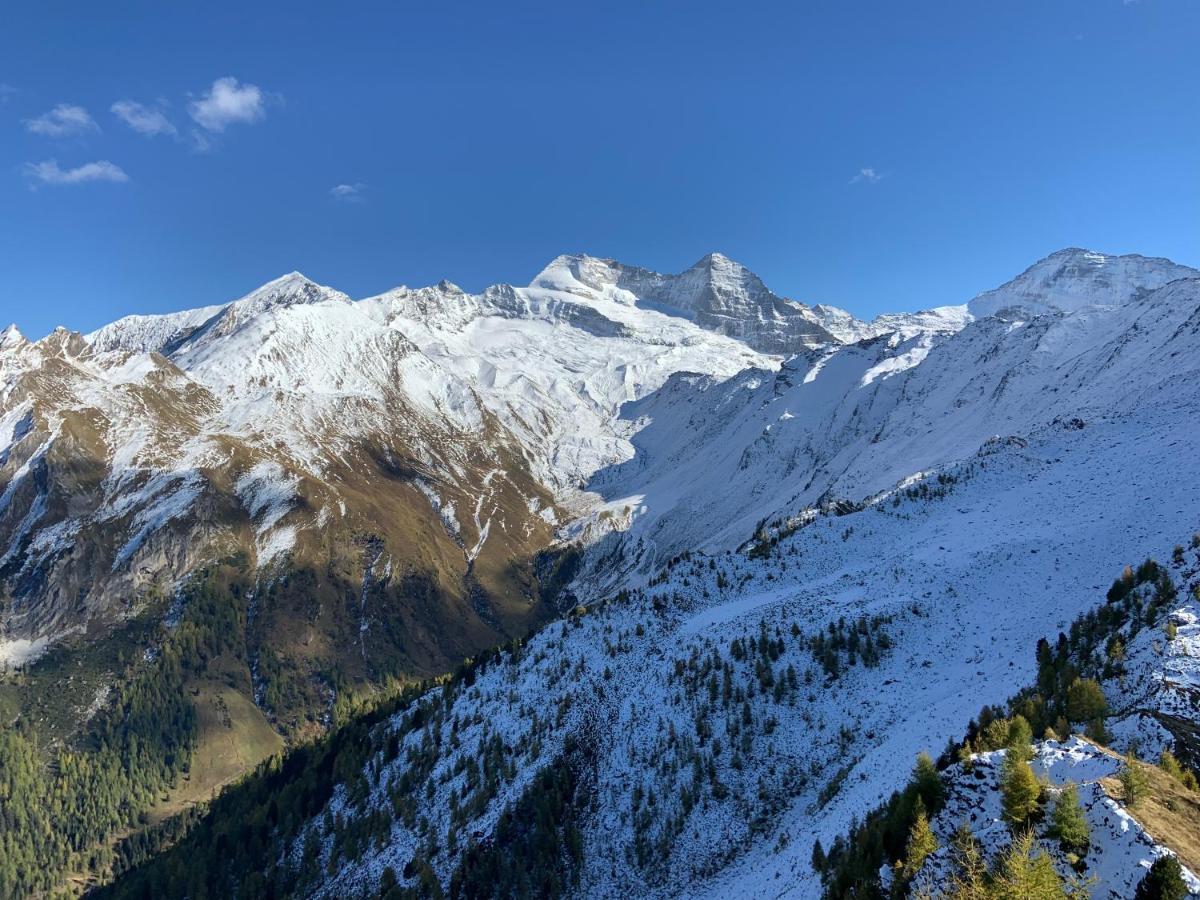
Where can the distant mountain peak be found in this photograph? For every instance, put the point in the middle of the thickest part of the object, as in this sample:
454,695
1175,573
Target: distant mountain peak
64,342
715,292
289,290
716,259
1074,278
11,337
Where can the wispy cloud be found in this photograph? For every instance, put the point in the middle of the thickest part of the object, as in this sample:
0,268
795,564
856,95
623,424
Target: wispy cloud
228,103
6,91
62,121
348,193
143,119
49,172
867,176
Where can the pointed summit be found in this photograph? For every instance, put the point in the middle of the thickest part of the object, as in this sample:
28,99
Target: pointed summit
292,289
714,260
64,342
716,292
11,337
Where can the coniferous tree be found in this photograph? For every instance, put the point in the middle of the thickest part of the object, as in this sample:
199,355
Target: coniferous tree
1023,874
1067,822
921,842
1020,792
1134,782
1085,701
818,856
1020,738
969,880
928,782
1164,881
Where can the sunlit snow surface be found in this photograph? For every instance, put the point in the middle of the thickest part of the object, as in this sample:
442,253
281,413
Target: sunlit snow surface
1027,540
1066,428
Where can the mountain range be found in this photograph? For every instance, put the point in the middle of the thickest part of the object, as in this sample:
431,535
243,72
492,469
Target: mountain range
686,505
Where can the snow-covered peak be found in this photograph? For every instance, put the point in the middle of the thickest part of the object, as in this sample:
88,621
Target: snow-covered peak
164,332
687,292
288,291
292,289
716,293
1072,279
11,338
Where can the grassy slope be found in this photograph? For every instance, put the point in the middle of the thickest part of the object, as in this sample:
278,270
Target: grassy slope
1169,812
234,737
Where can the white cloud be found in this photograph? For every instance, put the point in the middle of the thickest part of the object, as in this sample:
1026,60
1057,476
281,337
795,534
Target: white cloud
348,193
49,172
143,119
866,176
228,103
62,121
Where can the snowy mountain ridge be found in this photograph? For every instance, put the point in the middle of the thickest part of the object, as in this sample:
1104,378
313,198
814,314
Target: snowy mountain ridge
397,483
597,382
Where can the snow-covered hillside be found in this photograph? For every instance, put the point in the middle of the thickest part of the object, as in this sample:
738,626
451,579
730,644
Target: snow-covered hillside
719,741
506,404
716,458
797,572
488,410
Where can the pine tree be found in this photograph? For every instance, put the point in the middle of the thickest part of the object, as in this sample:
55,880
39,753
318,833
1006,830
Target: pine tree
1020,738
921,842
1023,875
818,856
928,783
1164,881
969,880
1067,822
1085,701
1134,781
1020,791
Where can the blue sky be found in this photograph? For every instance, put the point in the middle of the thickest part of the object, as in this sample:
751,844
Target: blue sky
879,156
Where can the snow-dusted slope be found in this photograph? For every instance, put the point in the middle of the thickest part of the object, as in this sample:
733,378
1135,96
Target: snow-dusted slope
1157,692
609,386
556,361
478,413
698,783
717,458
